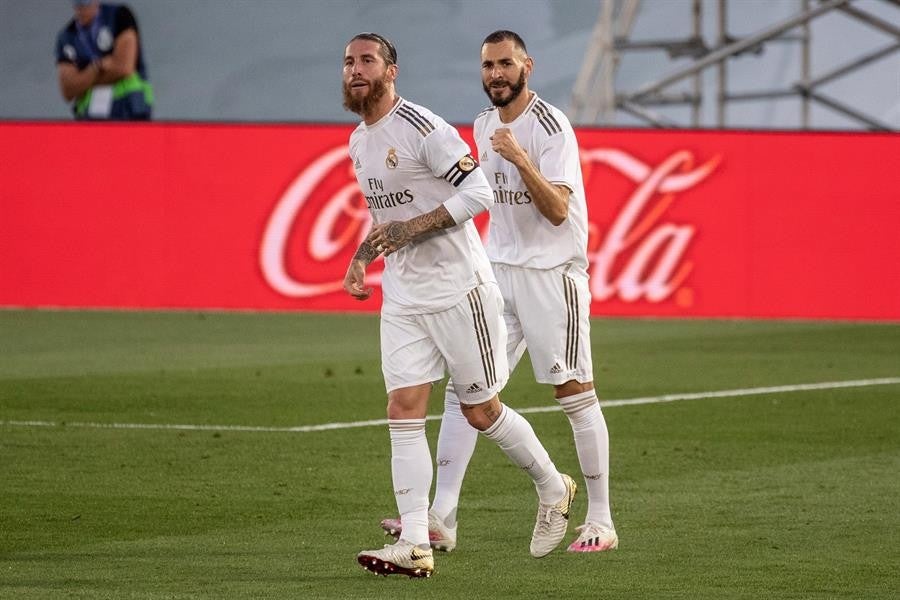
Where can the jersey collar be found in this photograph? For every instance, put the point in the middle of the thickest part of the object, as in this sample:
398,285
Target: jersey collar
386,117
528,107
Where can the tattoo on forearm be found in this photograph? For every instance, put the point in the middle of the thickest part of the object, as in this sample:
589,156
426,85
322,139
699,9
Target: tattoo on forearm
439,218
366,253
397,233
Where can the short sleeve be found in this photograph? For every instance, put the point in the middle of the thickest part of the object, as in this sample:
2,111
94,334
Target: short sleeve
123,21
444,150
559,159
63,56
67,47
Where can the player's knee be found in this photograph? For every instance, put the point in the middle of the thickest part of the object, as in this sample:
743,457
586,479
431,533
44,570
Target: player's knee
572,387
409,402
476,417
482,416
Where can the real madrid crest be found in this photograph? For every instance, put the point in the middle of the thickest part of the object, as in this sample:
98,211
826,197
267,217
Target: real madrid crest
391,161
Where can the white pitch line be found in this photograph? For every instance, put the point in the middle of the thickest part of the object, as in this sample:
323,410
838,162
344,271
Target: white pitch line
801,387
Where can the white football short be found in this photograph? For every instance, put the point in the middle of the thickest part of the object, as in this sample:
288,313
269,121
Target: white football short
549,312
467,340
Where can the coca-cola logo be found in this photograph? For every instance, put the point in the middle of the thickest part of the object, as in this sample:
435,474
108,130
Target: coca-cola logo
336,223
654,265
641,256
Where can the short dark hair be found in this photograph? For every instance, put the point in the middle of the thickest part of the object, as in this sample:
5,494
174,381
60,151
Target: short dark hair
501,35
387,50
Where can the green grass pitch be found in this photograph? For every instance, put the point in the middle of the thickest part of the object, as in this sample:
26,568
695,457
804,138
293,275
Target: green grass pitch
792,494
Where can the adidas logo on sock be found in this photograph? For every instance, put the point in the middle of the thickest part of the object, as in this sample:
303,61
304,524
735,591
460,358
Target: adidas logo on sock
474,389
555,369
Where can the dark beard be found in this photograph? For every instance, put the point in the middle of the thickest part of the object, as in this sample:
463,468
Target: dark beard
362,105
515,89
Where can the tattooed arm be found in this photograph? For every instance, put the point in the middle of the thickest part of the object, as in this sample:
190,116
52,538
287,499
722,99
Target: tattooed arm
394,235
355,279
366,253
473,196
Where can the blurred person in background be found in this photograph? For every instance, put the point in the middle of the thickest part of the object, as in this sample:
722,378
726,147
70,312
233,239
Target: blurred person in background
100,64
441,309
537,245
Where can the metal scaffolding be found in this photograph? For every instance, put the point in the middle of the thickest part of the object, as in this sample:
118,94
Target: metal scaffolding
596,100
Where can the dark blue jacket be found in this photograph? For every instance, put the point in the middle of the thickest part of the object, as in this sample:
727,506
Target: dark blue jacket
132,97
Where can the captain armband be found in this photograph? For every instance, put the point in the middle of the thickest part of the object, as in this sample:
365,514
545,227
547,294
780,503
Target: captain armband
459,171
473,196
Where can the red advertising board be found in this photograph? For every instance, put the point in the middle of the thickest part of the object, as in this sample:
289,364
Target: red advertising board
682,223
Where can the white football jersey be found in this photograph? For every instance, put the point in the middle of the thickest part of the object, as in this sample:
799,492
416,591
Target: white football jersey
519,235
407,164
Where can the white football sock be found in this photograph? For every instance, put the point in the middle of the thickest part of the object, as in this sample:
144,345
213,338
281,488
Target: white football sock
411,474
592,446
455,445
518,441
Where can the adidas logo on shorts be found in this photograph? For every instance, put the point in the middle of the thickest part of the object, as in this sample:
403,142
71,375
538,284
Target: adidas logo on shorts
474,389
555,369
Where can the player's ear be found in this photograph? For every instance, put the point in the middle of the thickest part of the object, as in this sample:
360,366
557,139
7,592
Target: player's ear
529,66
392,71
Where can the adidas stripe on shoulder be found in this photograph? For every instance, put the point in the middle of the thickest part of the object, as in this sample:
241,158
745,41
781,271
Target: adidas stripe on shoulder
545,118
415,118
485,111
